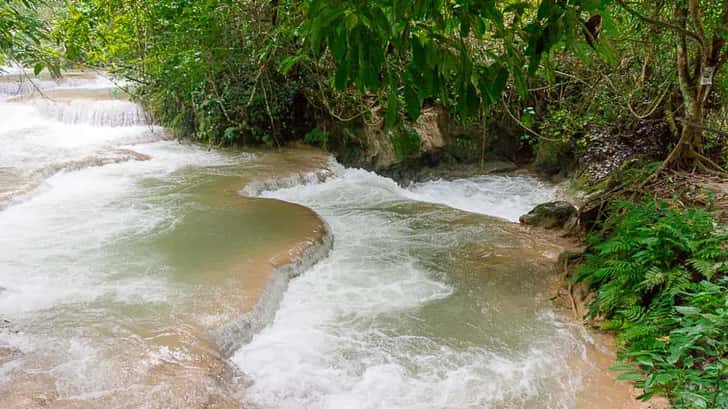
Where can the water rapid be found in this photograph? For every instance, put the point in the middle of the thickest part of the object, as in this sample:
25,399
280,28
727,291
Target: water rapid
122,251
418,305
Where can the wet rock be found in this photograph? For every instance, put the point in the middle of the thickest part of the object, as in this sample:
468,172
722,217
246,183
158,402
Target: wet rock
567,256
552,215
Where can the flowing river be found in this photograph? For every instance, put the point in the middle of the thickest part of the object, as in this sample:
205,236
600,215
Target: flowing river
128,259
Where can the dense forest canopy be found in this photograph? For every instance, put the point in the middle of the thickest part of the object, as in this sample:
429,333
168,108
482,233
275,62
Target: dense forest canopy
24,35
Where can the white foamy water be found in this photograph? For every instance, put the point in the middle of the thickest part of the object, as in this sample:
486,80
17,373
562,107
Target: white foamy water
42,137
49,238
87,282
508,197
33,141
121,252
392,320
51,241
15,82
110,113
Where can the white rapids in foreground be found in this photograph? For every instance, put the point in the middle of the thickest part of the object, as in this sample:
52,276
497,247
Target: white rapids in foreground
382,322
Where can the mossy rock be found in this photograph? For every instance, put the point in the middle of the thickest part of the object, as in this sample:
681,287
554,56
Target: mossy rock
552,215
406,142
554,157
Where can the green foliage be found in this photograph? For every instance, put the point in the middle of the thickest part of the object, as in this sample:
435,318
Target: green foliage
23,36
464,148
568,126
316,137
263,72
565,133
424,49
659,276
554,156
217,70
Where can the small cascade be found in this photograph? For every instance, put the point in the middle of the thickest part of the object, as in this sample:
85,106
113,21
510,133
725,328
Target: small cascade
406,313
123,252
257,187
104,113
16,83
15,88
507,197
54,126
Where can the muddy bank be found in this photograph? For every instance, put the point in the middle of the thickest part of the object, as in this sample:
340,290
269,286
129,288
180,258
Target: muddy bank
600,387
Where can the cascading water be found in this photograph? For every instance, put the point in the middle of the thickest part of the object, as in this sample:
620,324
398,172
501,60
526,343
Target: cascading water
418,306
98,113
507,197
122,252
42,136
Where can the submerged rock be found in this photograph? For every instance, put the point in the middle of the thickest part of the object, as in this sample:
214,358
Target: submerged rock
552,215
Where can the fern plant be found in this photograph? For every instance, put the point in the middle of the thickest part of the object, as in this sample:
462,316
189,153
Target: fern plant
659,280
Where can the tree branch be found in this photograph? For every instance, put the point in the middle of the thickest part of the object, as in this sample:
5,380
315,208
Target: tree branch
716,59
694,6
660,23
681,14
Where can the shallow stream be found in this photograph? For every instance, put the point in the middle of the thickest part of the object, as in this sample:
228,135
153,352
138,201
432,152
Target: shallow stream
123,251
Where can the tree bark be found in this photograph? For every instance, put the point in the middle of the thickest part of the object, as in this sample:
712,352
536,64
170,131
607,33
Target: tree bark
689,148
688,27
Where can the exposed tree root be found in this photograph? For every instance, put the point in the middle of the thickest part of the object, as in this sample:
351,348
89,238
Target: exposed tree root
570,290
685,157
683,171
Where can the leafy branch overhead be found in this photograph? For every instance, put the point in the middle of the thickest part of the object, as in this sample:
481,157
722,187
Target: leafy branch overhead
418,49
24,35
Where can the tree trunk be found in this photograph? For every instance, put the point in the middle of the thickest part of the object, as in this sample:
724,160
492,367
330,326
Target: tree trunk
689,149
696,68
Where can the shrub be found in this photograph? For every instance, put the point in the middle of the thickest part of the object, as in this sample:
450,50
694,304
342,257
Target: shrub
659,280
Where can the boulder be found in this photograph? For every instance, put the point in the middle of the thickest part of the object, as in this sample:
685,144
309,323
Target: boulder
552,215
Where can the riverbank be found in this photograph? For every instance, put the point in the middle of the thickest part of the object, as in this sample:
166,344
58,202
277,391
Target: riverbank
600,387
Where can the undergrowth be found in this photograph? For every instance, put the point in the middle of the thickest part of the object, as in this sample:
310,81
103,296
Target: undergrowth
659,280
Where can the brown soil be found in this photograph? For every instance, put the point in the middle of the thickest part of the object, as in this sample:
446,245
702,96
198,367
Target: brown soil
691,189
